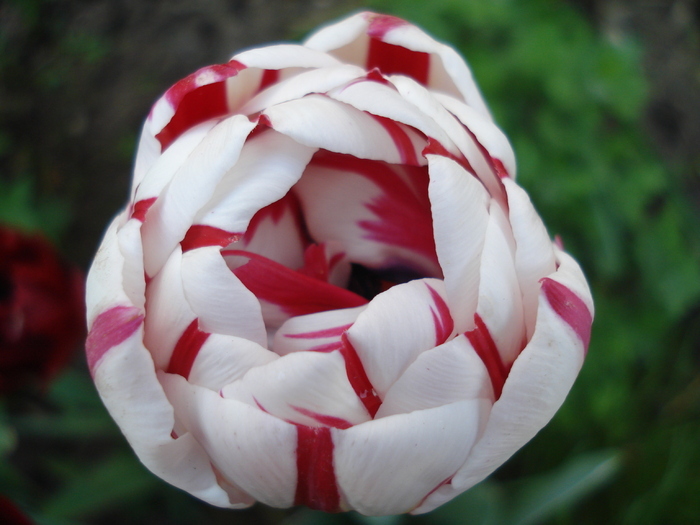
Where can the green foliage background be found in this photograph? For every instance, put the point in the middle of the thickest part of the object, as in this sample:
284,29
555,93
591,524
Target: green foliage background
625,448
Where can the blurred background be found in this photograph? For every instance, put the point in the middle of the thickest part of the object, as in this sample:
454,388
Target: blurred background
601,101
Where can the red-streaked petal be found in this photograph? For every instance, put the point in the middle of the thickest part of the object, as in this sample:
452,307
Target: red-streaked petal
537,384
402,323
252,449
302,388
168,314
126,380
375,460
319,332
379,212
460,218
110,329
318,121
192,186
218,298
290,293
442,375
500,300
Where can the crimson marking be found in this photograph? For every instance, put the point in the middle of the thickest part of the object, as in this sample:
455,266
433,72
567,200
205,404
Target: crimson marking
380,25
486,349
402,141
201,235
295,293
358,377
570,308
391,59
269,77
194,103
436,148
140,208
320,334
317,487
329,421
186,350
442,319
111,328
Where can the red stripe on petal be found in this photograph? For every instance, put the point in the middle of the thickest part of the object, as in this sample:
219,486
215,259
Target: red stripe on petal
358,377
295,293
195,102
111,328
570,308
201,235
186,350
140,208
269,77
486,349
317,487
321,334
329,421
442,319
435,148
401,140
391,59
380,25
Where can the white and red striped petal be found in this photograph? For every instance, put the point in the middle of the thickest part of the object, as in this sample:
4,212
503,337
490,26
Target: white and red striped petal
396,47
250,448
374,461
379,212
403,322
192,186
442,375
125,377
460,211
310,389
540,377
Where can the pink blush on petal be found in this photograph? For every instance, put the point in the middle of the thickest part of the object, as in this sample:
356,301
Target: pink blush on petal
110,329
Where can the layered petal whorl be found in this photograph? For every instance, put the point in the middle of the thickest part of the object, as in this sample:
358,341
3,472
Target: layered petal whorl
327,288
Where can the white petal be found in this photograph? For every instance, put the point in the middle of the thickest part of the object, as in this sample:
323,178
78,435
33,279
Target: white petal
250,448
445,374
387,466
500,302
169,312
312,81
162,171
395,328
134,284
285,55
224,359
192,186
126,380
534,253
106,279
269,165
308,388
460,217
314,332
320,122
218,298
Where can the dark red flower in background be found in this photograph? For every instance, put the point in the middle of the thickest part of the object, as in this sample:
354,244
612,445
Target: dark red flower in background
41,309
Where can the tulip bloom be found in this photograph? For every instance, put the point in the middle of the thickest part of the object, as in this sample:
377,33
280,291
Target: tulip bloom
41,309
327,289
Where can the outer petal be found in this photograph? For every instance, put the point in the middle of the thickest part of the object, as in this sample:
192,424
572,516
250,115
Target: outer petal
536,387
375,461
460,217
126,380
251,449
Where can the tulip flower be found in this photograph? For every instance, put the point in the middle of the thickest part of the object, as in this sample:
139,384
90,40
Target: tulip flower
327,288
41,309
